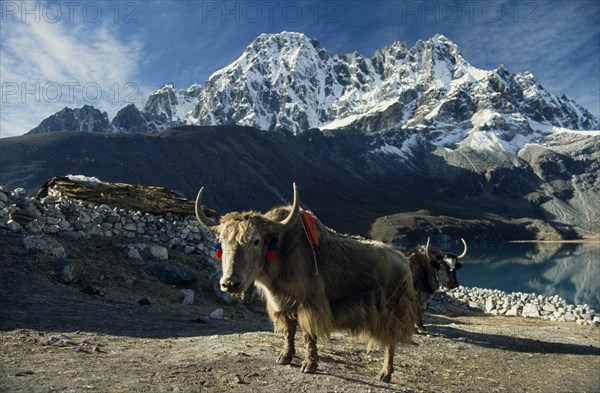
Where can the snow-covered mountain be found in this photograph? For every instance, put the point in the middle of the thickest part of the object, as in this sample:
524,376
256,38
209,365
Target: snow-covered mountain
420,117
291,81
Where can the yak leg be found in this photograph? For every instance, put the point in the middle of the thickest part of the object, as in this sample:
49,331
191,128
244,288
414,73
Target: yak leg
289,348
311,358
420,327
388,364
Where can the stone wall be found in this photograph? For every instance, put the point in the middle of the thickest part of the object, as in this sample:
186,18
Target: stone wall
56,213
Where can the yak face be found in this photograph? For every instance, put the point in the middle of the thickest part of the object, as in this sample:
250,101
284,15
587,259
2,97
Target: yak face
445,265
245,239
244,244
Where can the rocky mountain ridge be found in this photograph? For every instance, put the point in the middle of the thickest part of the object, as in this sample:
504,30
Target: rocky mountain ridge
290,81
354,182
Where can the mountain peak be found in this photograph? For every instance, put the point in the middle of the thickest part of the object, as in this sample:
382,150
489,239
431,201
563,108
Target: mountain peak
441,39
289,80
166,87
285,41
87,119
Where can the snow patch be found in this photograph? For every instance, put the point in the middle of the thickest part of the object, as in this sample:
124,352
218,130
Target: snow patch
484,117
482,140
404,152
87,180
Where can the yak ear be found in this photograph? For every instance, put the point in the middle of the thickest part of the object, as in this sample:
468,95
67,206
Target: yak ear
458,265
434,263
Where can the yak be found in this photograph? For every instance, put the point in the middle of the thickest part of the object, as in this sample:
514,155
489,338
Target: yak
432,270
344,283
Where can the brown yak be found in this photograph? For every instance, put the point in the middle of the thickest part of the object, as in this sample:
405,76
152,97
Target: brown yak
345,283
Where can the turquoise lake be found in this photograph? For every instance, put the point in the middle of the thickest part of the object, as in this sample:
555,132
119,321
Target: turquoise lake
571,271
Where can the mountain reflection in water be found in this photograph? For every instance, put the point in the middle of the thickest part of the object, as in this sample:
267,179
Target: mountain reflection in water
571,271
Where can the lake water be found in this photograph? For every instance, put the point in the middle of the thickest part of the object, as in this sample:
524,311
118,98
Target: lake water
571,271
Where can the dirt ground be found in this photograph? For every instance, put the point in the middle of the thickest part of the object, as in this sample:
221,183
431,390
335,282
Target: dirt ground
94,335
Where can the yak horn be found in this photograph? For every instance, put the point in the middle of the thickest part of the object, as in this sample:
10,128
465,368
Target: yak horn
428,249
202,218
461,256
282,226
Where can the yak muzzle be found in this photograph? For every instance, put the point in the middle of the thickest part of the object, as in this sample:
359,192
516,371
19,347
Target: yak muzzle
231,285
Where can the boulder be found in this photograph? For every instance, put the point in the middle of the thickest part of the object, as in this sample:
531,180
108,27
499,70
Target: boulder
531,311
143,251
171,272
44,244
187,296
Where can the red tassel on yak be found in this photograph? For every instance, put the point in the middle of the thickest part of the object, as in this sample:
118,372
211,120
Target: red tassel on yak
311,229
218,250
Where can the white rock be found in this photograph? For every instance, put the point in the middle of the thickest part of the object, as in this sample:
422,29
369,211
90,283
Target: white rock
569,317
13,226
188,297
52,220
513,311
490,304
549,307
52,229
531,311
134,253
159,252
19,193
217,314
64,224
44,244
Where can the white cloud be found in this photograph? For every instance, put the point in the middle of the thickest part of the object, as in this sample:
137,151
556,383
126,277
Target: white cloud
46,66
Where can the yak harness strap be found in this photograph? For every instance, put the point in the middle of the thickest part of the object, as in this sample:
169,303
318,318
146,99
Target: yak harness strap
308,224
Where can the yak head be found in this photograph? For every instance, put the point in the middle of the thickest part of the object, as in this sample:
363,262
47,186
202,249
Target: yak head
245,240
446,265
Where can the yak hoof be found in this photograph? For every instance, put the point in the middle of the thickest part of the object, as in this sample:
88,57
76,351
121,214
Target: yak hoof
385,377
284,359
309,368
420,329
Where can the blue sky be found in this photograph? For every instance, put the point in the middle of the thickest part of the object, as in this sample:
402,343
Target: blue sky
109,53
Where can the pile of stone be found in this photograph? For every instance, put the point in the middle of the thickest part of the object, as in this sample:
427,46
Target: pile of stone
58,214
497,302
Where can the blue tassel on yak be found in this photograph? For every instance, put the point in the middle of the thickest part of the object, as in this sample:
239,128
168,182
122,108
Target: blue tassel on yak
271,248
218,250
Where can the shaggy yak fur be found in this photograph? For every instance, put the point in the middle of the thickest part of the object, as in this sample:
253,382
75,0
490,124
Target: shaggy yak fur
430,271
352,284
